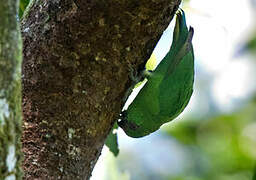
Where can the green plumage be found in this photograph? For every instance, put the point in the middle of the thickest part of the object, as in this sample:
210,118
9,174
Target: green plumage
169,88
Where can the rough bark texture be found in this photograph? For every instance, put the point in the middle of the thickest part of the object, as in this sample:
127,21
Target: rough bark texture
77,60
10,91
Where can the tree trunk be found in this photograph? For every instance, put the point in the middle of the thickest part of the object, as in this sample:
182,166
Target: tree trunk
77,60
10,91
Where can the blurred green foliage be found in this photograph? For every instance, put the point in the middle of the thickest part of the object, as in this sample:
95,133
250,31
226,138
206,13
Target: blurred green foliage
254,175
226,141
251,44
23,5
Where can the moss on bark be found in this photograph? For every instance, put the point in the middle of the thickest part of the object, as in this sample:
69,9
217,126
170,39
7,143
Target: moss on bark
10,91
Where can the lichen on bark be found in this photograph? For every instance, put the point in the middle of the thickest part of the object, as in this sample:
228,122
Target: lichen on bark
10,91
77,60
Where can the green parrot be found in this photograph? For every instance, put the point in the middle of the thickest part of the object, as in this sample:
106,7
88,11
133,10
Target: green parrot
168,89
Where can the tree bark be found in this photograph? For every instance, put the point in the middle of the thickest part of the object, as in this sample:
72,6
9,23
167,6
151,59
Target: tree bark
10,91
77,60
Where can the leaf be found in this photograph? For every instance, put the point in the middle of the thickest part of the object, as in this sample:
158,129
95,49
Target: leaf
111,141
23,5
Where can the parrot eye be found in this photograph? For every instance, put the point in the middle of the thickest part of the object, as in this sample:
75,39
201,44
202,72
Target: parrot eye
133,126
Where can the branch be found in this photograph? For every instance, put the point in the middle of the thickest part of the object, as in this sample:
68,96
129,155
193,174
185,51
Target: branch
75,74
